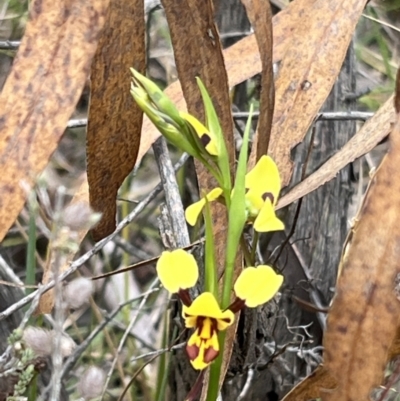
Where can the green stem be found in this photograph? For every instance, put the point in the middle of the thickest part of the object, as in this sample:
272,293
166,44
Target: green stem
215,371
211,279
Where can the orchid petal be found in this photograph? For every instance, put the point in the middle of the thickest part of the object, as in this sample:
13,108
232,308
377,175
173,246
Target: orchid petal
257,285
193,211
206,305
264,178
203,346
208,139
266,220
177,270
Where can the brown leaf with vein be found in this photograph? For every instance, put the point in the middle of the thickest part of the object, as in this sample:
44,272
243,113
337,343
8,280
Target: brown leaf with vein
114,122
198,52
311,64
244,53
372,132
260,16
310,387
242,61
40,94
364,316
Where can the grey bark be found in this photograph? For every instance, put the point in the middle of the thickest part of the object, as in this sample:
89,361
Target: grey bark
321,228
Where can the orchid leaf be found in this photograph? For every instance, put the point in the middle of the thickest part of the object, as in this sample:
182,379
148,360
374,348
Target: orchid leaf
210,263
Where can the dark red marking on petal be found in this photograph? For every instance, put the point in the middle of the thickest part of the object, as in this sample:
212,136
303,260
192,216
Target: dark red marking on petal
205,139
237,305
199,324
185,297
210,355
192,351
214,325
268,195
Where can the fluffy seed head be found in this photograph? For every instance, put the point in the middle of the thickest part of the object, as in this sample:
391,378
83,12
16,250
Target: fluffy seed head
39,340
79,216
77,292
91,383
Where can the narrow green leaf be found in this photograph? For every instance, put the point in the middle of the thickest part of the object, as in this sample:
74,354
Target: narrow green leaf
237,215
213,125
237,220
210,264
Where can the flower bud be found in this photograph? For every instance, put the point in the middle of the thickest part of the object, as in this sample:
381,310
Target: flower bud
160,100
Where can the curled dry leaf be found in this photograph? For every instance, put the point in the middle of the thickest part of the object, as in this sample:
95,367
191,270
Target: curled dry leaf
364,316
308,71
114,122
40,94
372,132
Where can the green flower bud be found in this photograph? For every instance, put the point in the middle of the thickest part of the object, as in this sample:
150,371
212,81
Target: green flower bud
160,100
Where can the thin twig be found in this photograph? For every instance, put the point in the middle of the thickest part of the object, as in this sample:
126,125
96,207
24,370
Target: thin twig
158,352
78,351
125,336
244,115
9,44
100,245
178,226
325,116
247,385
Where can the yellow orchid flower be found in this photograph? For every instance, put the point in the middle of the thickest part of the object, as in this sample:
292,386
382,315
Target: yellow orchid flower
263,185
207,318
178,271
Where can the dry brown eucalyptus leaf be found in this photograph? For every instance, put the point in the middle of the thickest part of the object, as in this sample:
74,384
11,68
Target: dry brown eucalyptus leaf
364,316
242,61
309,68
260,16
40,94
198,53
310,387
115,120
395,347
372,132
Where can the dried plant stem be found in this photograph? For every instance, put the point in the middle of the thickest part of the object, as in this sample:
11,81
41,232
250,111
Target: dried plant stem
171,191
126,333
244,115
79,350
